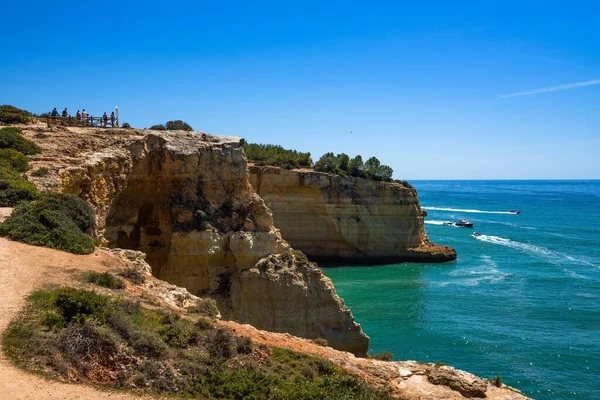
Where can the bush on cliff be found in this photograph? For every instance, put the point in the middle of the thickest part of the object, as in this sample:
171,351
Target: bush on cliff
11,158
82,336
159,127
13,115
178,125
56,220
12,138
268,154
343,165
14,187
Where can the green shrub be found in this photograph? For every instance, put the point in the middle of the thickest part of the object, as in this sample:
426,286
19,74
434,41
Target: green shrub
159,127
14,159
222,344
133,275
11,138
205,306
15,188
244,345
104,279
13,115
176,333
126,125
42,171
268,154
79,305
178,125
149,344
55,220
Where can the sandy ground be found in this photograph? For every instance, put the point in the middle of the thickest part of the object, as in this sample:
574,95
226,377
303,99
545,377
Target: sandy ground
23,269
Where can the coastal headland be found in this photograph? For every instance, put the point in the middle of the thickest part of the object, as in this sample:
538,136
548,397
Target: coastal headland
189,202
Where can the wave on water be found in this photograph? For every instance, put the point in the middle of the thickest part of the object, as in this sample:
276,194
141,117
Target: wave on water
468,210
551,256
486,272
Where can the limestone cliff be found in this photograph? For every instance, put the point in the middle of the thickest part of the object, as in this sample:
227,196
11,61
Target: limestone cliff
185,200
347,219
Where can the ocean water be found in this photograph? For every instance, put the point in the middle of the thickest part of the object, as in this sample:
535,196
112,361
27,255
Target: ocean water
522,301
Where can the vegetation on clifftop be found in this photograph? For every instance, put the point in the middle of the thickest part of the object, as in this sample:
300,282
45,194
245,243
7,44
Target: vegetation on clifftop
176,125
14,186
83,336
269,154
13,115
55,220
341,164
12,138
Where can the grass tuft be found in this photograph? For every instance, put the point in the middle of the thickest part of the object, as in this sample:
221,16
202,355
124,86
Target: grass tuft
104,279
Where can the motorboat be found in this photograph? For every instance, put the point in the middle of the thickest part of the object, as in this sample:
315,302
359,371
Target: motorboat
514,212
476,234
463,223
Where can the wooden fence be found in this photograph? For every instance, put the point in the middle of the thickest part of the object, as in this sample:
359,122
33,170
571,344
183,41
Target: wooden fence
89,121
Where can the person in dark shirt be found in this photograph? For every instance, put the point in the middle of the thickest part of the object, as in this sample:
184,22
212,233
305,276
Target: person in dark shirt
65,113
105,119
112,119
54,112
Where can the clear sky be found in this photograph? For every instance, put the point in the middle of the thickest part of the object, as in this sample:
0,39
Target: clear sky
418,84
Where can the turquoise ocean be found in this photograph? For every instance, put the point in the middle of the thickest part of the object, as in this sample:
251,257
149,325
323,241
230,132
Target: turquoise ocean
522,300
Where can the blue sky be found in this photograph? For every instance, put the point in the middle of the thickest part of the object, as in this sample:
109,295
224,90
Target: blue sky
417,84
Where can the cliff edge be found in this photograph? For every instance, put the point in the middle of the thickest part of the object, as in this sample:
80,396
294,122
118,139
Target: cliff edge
347,219
185,200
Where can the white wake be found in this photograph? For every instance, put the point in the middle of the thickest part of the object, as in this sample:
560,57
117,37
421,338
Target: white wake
468,210
551,256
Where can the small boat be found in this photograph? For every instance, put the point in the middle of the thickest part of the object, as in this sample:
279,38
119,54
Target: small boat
463,223
476,234
514,212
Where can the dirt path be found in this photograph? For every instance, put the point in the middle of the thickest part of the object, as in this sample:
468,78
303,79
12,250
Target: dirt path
23,269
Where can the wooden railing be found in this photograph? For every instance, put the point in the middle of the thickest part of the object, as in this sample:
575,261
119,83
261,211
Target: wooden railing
89,121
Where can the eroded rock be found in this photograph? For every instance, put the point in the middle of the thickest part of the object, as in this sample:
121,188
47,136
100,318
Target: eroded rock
354,220
185,200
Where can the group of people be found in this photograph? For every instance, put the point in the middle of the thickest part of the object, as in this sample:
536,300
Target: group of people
83,116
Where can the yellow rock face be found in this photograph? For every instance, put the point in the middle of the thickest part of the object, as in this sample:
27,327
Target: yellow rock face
185,200
349,219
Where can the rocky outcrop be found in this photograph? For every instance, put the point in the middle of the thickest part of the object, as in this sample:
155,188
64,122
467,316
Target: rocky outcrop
185,200
352,220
